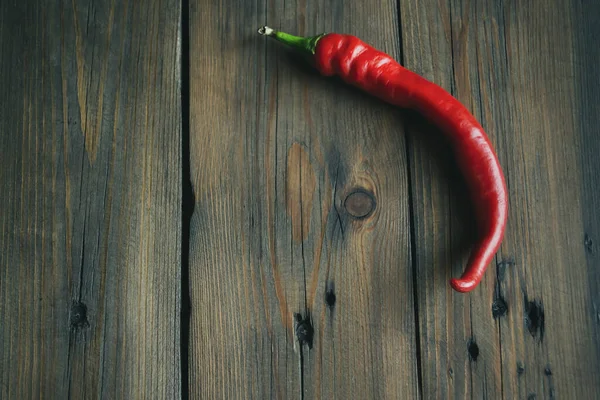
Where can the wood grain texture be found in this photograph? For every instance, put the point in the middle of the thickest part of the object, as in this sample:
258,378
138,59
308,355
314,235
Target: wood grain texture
550,278
443,317
534,318
275,151
586,18
90,187
459,340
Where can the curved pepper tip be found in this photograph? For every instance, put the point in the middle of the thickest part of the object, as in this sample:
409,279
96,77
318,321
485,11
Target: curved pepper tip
462,286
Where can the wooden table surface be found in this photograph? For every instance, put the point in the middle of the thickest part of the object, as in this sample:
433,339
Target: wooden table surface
181,198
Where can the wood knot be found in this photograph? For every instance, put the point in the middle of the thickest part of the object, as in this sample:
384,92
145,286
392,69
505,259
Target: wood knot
360,204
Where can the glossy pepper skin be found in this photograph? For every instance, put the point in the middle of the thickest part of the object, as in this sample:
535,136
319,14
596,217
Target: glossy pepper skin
377,73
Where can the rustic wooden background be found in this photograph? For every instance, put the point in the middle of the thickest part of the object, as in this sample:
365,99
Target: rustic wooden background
183,199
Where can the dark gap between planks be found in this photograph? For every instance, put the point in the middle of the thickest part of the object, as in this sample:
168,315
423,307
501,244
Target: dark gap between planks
187,201
411,212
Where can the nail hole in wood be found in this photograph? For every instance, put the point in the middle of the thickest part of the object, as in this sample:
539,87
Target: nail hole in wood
473,349
304,330
499,308
589,243
330,295
534,318
79,315
360,204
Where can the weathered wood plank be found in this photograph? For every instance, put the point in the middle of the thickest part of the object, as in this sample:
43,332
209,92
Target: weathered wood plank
276,152
587,58
552,329
460,352
514,66
90,184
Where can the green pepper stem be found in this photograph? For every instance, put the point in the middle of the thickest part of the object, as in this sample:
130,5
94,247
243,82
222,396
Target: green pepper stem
303,44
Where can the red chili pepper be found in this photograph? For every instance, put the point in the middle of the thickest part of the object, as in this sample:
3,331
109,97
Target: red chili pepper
375,72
